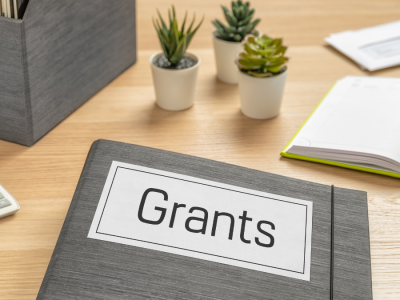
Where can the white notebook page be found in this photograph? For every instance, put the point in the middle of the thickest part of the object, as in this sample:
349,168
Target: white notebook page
360,114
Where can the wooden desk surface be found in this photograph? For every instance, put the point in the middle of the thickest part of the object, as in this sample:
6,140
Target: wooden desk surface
43,178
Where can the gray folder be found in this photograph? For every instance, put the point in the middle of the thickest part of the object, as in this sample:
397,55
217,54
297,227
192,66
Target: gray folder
56,58
83,268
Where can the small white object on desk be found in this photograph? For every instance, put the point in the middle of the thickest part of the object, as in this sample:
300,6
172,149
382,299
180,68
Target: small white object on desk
8,205
373,48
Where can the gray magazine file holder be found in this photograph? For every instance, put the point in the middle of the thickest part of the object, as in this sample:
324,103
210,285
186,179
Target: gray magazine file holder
57,57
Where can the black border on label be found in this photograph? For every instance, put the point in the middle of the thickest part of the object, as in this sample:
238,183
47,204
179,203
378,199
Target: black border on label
131,169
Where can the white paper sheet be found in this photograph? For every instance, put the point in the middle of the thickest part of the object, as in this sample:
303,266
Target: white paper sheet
276,240
373,48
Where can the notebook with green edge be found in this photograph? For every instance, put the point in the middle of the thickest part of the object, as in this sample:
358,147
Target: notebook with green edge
359,111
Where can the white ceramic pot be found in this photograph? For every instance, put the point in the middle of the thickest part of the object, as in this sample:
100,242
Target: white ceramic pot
261,98
225,55
174,89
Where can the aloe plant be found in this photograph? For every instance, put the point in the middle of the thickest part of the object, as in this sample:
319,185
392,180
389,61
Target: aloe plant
239,21
174,42
262,56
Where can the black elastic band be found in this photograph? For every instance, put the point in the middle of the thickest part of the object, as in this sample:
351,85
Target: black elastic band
332,236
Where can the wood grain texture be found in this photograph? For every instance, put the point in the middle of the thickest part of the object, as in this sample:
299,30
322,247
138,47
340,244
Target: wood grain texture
43,178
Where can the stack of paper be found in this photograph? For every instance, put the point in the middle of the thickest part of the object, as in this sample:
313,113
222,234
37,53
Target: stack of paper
372,48
356,126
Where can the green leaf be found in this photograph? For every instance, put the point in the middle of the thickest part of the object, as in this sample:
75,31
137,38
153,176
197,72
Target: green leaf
218,25
183,24
280,50
160,37
245,21
164,36
174,34
277,42
231,19
223,34
235,11
251,40
260,75
234,4
173,12
242,13
237,37
277,62
264,41
170,18
249,27
179,52
191,24
245,10
275,69
230,29
248,65
251,12
266,52
249,49
162,21
191,34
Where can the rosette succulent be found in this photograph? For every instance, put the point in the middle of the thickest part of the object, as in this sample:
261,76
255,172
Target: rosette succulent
262,56
239,22
174,41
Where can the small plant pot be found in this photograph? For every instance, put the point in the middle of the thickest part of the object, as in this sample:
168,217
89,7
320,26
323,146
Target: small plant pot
225,54
175,89
261,98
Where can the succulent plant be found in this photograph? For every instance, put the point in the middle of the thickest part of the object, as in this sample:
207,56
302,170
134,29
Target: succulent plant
174,42
239,22
262,56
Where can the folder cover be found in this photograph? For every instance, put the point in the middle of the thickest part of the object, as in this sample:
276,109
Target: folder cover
85,268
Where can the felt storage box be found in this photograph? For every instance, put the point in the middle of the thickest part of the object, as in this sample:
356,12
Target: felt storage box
58,56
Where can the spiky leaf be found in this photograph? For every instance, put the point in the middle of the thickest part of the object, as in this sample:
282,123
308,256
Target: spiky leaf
239,21
174,42
230,18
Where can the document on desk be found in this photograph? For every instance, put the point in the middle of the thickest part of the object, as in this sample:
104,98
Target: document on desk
357,125
372,48
204,219
168,205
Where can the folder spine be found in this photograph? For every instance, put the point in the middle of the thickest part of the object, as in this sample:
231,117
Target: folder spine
27,93
43,291
13,88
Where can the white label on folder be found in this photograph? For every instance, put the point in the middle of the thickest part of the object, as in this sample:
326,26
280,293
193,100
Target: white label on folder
205,219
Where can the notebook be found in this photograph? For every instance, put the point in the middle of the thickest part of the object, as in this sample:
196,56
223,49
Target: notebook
372,48
355,126
86,268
